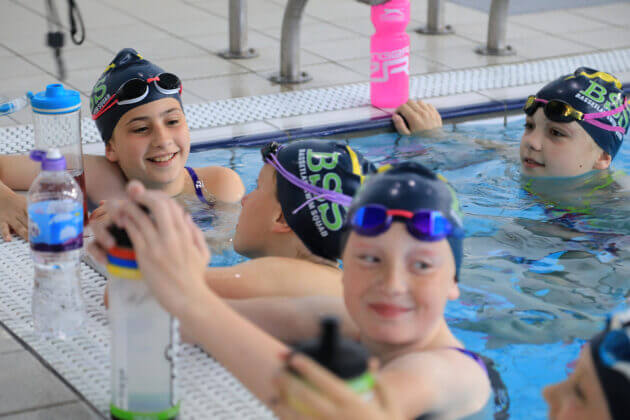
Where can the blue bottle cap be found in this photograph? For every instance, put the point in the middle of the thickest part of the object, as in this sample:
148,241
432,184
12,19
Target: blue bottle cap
55,100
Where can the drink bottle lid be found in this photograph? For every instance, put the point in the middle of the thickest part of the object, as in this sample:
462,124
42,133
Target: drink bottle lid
345,358
120,235
55,100
52,160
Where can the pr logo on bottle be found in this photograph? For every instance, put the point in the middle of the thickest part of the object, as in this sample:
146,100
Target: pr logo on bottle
388,63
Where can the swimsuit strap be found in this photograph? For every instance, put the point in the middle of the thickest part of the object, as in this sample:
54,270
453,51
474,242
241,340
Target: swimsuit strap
198,185
473,356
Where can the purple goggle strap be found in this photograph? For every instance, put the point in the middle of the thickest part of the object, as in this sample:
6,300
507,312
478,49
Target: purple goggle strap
317,192
591,118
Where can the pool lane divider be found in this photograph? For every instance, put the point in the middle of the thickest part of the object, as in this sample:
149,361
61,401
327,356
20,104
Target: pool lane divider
492,107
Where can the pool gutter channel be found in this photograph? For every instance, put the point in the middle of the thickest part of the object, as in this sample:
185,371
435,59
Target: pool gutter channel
450,115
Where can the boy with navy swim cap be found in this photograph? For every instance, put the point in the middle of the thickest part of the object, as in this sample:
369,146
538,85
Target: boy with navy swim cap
138,111
292,222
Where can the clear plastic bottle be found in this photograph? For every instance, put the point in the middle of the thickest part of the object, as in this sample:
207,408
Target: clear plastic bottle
144,336
389,48
55,224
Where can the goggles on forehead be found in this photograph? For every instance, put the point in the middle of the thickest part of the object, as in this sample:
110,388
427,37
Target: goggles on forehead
560,111
423,224
136,89
270,156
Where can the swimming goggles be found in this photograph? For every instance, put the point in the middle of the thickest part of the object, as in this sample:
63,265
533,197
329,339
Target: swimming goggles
614,350
423,224
136,89
559,111
270,156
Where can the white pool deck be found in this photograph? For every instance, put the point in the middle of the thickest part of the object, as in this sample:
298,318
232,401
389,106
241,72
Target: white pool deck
183,37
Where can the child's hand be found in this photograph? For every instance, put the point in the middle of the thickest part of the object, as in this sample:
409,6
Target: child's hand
99,215
13,215
419,115
170,249
321,395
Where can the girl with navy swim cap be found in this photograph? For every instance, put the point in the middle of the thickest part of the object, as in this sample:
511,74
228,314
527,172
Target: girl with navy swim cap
138,111
401,262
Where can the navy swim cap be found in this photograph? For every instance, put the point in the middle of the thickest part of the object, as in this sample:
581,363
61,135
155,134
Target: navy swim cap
611,356
327,164
591,91
127,65
411,186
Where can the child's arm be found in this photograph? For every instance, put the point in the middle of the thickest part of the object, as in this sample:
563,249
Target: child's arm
223,183
274,276
103,179
416,116
443,382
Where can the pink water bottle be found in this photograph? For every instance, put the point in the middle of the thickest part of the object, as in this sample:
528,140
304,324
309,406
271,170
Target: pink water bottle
389,48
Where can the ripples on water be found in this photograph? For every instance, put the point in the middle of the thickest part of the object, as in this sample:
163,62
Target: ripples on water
537,280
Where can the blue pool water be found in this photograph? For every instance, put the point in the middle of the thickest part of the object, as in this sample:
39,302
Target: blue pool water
537,279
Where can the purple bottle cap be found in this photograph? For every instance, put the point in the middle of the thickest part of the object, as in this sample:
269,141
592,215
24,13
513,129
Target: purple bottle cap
52,160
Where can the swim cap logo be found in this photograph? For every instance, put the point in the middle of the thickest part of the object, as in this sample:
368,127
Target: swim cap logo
97,100
326,216
598,97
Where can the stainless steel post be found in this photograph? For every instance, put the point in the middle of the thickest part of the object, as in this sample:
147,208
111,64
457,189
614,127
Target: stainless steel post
497,30
238,32
435,20
290,45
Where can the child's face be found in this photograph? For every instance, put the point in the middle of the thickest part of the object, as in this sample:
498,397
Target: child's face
395,286
558,149
580,396
151,143
260,209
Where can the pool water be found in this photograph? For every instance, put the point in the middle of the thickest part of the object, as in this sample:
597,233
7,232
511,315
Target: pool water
543,265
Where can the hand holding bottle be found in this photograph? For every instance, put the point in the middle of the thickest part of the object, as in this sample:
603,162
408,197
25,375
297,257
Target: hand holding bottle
327,397
170,249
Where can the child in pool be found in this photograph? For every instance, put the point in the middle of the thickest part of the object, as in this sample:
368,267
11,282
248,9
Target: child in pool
574,125
401,262
293,241
138,111
597,389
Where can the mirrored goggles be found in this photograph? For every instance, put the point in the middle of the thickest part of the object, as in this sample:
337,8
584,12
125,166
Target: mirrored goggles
136,89
425,225
269,155
559,111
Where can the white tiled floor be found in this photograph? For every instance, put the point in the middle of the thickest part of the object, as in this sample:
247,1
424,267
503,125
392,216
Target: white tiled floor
183,36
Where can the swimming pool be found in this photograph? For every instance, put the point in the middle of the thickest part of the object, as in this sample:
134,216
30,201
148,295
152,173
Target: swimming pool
542,266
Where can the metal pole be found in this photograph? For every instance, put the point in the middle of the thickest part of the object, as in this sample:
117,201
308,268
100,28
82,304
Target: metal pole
435,20
497,30
238,32
290,46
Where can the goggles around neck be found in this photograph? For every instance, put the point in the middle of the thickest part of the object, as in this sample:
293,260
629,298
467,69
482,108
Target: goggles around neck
270,156
423,224
560,111
136,89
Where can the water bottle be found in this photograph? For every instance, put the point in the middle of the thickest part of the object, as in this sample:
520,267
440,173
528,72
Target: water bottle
55,232
57,123
143,341
345,358
389,48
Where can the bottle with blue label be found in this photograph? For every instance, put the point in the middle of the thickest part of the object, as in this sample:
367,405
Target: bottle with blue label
55,230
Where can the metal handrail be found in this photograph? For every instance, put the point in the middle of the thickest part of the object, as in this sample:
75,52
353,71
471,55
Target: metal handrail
435,20
497,30
238,32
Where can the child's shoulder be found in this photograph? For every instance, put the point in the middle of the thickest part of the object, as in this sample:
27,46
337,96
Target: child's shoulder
223,183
